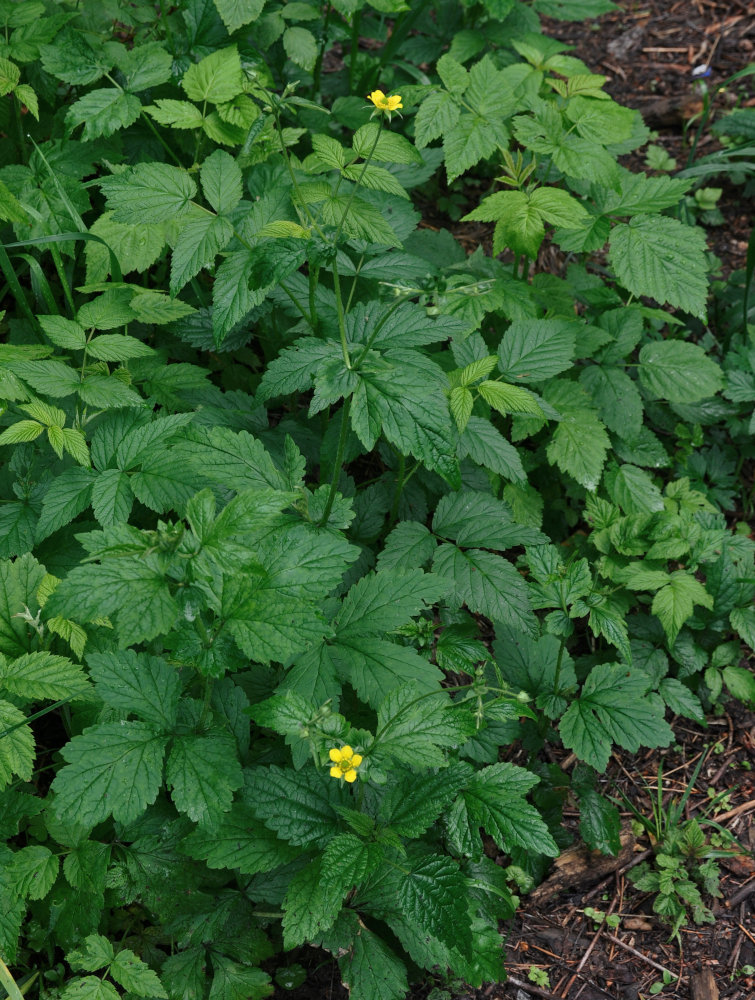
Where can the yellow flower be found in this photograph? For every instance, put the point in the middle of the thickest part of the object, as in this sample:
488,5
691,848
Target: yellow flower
345,763
383,103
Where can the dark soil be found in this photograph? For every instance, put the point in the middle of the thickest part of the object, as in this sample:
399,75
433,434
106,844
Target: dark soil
648,50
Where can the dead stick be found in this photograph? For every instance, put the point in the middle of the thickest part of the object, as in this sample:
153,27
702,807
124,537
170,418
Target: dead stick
644,958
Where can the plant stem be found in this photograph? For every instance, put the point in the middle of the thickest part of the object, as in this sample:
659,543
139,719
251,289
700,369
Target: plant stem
314,274
341,316
358,181
342,438
399,488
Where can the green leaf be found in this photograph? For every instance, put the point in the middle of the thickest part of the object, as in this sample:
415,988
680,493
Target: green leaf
579,447
495,800
297,805
136,976
391,146
519,225
480,520
16,745
117,347
599,819
300,46
234,981
312,903
137,684
136,247
633,490
217,78
112,498
221,181
678,371
130,590
103,112
432,896
371,971
471,139
663,258
436,116
95,953
374,667
69,494
177,114
537,349
741,683
90,988
239,842
19,581
452,74
383,601
63,332
487,584
509,398
407,404
112,769
237,13
203,772
484,444
410,807
675,602
155,191
197,246
417,730
558,208
146,65
680,699
409,544
38,676
613,707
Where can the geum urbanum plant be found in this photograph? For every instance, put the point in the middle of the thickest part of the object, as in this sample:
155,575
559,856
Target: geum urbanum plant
297,467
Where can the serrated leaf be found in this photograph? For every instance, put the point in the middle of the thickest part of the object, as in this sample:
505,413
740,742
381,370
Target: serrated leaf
137,684
495,800
234,981
297,805
239,842
617,398
371,971
536,349
301,47
16,745
479,520
112,498
675,602
509,398
311,904
217,78
487,584
437,114
579,447
221,181
112,769
177,114
409,544
69,494
90,988
383,601
41,675
136,976
417,731
203,772
484,444
432,895
237,13
613,707
678,371
65,333
94,953
155,191
197,246
663,258
373,667
103,112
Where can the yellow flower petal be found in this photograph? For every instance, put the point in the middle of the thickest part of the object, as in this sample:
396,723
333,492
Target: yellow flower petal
392,103
356,760
336,772
377,97
346,752
336,755
351,775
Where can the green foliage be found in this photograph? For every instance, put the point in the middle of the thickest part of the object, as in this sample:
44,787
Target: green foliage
306,515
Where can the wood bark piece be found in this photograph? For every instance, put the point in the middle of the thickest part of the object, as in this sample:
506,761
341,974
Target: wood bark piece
704,986
578,868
